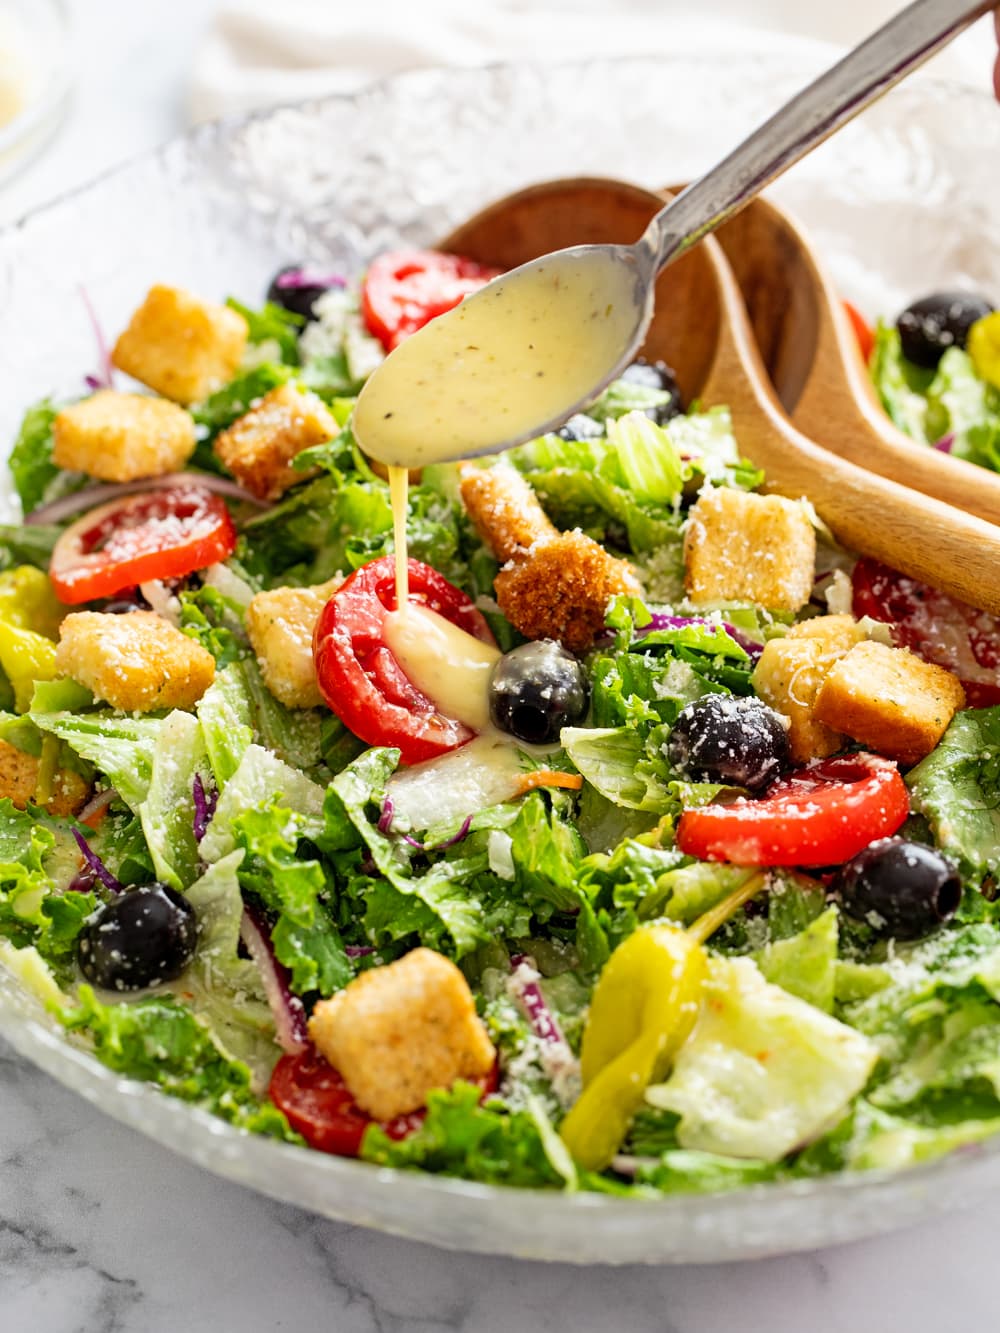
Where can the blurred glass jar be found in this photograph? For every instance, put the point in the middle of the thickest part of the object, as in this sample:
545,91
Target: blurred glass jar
34,78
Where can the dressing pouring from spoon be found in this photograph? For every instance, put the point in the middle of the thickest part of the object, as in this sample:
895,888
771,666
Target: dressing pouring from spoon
519,357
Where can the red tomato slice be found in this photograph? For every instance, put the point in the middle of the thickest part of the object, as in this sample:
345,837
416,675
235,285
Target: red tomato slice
317,1103
359,677
406,289
862,331
821,815
934,626
154,535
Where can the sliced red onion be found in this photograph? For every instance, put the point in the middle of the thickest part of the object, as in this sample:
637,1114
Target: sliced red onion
97,805
946,443
286,1008
540,1016
96,864
359,950
92,496
204,807
384,824
105,377
304,276
440,846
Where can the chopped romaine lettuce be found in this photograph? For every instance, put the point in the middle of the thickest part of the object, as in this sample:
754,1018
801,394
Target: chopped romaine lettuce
763,1073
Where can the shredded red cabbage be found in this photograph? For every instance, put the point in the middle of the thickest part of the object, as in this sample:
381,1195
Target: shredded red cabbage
358,950
540,1016
440,846
945,444
384,824
204,807
304,276
286,1008
100,870
660,620
105,377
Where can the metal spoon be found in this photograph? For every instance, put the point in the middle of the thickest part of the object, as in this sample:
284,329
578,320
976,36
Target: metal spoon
435,398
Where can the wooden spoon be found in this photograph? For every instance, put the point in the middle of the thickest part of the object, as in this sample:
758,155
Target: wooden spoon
811,355
700,327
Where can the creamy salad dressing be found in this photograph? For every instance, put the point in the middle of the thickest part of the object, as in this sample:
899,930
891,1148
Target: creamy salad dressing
453,668
513,359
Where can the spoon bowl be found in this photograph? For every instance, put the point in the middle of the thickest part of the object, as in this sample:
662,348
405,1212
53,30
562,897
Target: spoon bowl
700,327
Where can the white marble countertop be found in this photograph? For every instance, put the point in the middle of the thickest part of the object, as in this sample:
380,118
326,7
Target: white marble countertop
102,1231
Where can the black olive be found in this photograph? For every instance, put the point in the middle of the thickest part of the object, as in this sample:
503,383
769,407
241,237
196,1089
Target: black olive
581,427
122,606
903,889
536,690
145,936
656,375
928,327
297,288
720,738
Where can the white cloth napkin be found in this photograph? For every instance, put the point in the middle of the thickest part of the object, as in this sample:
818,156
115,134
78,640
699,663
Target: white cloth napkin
257,53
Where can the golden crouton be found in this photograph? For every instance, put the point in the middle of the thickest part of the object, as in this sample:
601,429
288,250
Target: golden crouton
138,662
562,590
741,547
181,346
556,585
280,627
122,436
19,781
505,511
792,669
889,699
398,1032
258,448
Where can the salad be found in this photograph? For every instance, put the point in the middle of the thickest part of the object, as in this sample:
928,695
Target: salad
662,859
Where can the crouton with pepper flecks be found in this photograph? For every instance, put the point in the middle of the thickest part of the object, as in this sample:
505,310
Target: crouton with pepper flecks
397,1032
137,662
181,346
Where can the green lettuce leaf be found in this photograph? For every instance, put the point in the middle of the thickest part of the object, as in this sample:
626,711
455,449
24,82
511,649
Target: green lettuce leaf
31,913
225,990
167,813
901,385
805,964
272,324
957,789
461,1137
122,748
158,1040
30,461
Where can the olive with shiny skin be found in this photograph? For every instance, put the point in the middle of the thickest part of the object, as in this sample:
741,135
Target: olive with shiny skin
721,738
536,690
301,293
656,375
901,889
928,327
145,936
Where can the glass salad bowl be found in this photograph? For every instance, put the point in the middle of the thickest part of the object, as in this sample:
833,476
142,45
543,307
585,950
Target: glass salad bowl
899,203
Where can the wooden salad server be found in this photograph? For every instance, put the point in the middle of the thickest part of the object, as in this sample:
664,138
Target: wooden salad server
812,358
700,327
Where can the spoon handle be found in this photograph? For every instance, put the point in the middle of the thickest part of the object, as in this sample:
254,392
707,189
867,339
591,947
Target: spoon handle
836,97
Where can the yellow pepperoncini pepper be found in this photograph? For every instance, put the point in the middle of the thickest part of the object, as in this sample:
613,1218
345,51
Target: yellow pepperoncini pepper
26,657
29,620
643,1009
984,347
27,601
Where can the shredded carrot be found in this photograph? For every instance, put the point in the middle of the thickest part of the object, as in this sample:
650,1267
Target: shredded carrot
549,777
